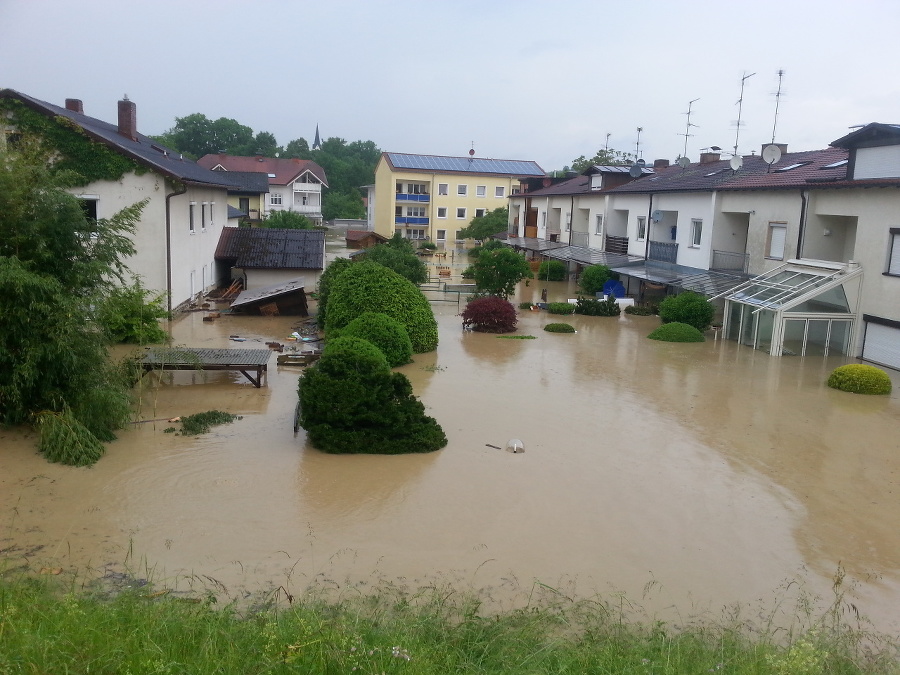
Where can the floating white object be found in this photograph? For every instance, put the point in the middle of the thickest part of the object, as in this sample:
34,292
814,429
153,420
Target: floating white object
515,445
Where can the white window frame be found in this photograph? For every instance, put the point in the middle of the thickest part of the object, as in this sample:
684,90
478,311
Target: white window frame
461,210
212,211
641,228
192,227
480,213
275,199
893,264
415,211
444,189
442,212
598,227
441,235
481,191
696,232
568,221
462,190
772,238
500,191
203,216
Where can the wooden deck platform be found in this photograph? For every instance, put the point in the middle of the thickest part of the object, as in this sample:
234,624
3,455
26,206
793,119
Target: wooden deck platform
187,358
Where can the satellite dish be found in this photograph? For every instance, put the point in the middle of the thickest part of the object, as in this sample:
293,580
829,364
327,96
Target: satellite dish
771,154
683,162
641,163
656,216
736,162
635,171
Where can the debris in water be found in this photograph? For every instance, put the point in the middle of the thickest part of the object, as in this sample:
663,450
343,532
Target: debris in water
495,447
515,445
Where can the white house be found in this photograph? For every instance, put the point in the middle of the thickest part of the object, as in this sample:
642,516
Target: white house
186,207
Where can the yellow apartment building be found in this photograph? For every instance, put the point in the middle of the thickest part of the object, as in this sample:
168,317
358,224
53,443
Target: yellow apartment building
433,197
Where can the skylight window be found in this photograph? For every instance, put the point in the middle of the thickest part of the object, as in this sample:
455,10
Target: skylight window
714,173
835,165
790,167
271,175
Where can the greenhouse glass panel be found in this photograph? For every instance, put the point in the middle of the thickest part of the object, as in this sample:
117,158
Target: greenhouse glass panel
816,337
839,340
747,326
832,301
794,331
764,326
734,320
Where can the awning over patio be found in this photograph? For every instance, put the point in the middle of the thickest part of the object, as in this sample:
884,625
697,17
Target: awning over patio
707,282
582,255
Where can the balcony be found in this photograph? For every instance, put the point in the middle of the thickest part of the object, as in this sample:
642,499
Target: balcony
616,245
726,261
408,197
663,251
410,220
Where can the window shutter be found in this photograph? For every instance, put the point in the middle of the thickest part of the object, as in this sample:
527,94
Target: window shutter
776,242
894,263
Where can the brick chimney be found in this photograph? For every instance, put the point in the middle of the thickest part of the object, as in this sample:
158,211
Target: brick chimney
709,157
75,105
128,119
660,164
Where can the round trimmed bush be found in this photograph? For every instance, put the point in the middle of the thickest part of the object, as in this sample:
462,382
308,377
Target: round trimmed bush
369,287
560,308
859,378
384,332
351,402
677,332
490,314
688,307
559,328
551,270
337,267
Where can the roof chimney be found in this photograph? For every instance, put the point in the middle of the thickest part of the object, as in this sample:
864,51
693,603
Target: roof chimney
128,119
660,164
709,157
75,105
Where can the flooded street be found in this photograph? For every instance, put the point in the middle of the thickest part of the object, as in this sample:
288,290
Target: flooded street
691,476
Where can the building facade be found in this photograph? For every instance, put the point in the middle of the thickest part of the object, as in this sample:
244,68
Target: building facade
431,197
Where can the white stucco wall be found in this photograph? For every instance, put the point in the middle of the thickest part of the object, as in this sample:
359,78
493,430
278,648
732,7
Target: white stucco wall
256,278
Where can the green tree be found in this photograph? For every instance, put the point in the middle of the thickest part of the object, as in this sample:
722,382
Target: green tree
551,270
197,135
603,157
296,149
265,145
287,220
335,268
384,332
688,307
496,272
484,226
369,287
405,263
343,205
131,314
592,278
351,402
57,267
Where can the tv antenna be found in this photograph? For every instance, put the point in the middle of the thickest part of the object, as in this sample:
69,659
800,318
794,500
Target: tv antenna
637,146
740,105
687,129
778,95
606,148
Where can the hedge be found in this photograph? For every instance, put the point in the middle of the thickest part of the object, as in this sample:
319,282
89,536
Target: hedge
677,332
384,332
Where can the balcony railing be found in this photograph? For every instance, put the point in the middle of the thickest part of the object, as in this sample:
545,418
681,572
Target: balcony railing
663,251
616,244
410,220
579,239
727,261
407,197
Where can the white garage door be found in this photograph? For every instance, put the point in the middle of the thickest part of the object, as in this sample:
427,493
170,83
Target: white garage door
882,345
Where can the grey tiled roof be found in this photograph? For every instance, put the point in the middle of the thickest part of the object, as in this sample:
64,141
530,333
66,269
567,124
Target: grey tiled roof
144,150
270,248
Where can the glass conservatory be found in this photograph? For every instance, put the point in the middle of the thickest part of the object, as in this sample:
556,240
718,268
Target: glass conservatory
803,308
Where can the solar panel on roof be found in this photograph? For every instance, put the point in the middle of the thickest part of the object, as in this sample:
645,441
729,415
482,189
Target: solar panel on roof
465,164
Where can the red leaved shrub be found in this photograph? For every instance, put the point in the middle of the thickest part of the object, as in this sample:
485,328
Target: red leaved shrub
490,314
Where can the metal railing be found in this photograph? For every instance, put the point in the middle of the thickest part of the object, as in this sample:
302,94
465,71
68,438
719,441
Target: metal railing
663,251
410,197
728,261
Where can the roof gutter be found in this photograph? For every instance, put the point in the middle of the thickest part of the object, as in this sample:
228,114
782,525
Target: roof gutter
169,196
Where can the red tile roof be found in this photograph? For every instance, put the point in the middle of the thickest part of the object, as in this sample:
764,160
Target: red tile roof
285,170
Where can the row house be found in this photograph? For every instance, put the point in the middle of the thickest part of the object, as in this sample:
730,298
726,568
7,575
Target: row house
432,197
293,184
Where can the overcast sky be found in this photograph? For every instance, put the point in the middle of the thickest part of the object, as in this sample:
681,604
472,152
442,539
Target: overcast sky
523,79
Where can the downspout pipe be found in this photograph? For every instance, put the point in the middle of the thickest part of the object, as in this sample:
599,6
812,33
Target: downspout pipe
804,207
169,196
647,229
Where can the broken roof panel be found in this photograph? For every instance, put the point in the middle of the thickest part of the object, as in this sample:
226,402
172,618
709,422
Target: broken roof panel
268,293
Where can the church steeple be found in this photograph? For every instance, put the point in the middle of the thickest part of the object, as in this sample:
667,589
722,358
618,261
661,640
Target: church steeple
317,144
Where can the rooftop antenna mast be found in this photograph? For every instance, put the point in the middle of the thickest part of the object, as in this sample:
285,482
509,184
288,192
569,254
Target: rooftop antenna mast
740,105
687,129
778,95
606,148
637,146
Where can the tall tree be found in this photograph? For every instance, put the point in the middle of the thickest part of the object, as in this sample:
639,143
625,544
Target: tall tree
484,226
603,157
497,271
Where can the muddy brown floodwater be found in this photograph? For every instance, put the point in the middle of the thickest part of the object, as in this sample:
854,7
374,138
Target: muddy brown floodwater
685,476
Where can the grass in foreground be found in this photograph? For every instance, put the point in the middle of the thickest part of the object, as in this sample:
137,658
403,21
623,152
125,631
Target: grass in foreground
45,629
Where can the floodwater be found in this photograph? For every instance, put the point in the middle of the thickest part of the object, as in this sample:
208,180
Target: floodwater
686,477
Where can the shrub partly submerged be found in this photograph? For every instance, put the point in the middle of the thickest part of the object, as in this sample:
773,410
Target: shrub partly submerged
859,378
677,332
559,328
